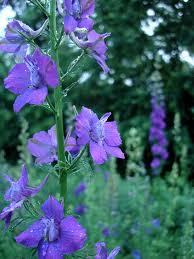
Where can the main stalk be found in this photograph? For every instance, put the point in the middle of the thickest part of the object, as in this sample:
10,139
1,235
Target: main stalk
58,103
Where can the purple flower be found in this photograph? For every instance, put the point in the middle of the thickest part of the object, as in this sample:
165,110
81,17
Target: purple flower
79,189
157,136
102,253
43,146
77,14
15,40
95,45
18,192
136,254
102,136
53,234
30,80
80,209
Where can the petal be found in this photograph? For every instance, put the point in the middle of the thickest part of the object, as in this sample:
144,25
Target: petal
47,68
112,136
101,62
86,23
98,153
88,7
38,96
114,151
18,79
84,138
32,236
23,181
73,235
114,252
105,117
32,191
8,47
53,135
21,53
53,209
68,6
84,120
53,251
69,24
22,100
101,250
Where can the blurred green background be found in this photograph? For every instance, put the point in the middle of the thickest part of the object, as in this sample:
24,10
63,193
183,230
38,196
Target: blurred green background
146,37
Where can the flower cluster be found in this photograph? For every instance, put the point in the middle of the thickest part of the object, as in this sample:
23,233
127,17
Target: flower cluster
32,79
78,24
157,135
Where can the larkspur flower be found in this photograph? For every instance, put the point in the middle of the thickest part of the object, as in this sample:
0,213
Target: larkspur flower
18,193
102,252
16,36
155,223
53,234
43,146
157,135
79,189
30,80
77,14
80,209
102,136
94,44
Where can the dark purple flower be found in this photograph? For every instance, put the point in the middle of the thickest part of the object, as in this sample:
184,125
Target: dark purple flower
102,136
53,234
106,232
79,189
80,209
15,40
136,254
30,80
77,14
157,136
17,193
102,253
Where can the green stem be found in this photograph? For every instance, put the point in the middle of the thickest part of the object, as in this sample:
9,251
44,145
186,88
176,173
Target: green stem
58,104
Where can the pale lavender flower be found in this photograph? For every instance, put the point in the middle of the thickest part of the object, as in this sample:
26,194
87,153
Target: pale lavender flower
77,14
79,189
102,252
16,36
53,235
102,136
18,192
155,223
43,146
30,80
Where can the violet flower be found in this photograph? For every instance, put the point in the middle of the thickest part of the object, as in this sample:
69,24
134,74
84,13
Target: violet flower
53,234
79,189
80,209
18,193
102,252
16,38
43,146
106,232
102,136
94,44
30,80
157,136
77,14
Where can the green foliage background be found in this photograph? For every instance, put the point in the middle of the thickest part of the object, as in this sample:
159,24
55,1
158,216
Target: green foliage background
135,196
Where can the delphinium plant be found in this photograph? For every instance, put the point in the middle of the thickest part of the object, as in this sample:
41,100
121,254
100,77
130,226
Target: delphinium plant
38,79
